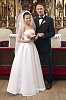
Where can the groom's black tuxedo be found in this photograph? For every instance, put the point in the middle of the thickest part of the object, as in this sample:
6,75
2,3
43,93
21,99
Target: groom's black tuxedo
46,27
44,44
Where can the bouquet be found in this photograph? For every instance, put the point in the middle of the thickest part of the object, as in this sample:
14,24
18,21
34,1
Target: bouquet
31,36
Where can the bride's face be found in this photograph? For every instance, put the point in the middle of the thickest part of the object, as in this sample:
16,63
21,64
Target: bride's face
27,19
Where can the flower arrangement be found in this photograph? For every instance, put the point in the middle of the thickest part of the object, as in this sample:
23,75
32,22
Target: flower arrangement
31,36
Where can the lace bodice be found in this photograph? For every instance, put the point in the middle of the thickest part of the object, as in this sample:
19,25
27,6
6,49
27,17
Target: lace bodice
28,32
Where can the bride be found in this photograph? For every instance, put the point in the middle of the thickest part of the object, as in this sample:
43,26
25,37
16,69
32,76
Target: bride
26,75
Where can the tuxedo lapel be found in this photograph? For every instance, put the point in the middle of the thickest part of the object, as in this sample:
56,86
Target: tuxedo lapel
43,21
37,21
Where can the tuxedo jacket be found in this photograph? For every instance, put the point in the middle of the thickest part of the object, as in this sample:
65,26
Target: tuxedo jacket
46,27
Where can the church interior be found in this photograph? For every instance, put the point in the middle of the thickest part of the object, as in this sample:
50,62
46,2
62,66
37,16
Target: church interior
9,12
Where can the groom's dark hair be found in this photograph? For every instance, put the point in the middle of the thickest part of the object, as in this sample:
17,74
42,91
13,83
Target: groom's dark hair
40,3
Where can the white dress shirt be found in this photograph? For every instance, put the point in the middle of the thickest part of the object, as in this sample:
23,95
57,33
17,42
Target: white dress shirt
40,20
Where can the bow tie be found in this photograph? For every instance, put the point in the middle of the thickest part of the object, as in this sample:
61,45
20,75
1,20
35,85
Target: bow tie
41,17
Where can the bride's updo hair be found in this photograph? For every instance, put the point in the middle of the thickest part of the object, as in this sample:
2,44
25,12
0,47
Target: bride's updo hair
26,13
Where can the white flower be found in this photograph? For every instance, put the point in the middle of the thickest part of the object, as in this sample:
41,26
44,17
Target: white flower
43,22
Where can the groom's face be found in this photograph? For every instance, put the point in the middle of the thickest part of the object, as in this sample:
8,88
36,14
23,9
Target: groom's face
40,10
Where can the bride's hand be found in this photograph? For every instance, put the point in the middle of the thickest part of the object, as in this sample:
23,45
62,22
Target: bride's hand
36,37
27,41
41,34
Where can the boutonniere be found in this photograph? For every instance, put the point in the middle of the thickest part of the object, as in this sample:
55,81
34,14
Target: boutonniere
43,22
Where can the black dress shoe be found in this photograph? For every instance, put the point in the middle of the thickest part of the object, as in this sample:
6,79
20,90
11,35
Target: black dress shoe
48,86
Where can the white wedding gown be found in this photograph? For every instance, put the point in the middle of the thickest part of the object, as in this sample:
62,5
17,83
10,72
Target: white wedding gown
26,75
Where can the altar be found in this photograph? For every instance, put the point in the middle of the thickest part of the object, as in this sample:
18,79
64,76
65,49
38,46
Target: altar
58,60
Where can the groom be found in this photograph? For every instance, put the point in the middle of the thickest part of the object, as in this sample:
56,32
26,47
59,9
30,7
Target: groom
45,30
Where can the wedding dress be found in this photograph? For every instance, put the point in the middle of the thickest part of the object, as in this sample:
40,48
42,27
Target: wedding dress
26,75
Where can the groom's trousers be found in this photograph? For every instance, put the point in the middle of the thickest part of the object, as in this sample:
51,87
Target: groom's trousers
47,59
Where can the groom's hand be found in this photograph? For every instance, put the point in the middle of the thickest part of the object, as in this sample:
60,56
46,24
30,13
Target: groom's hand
41,35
